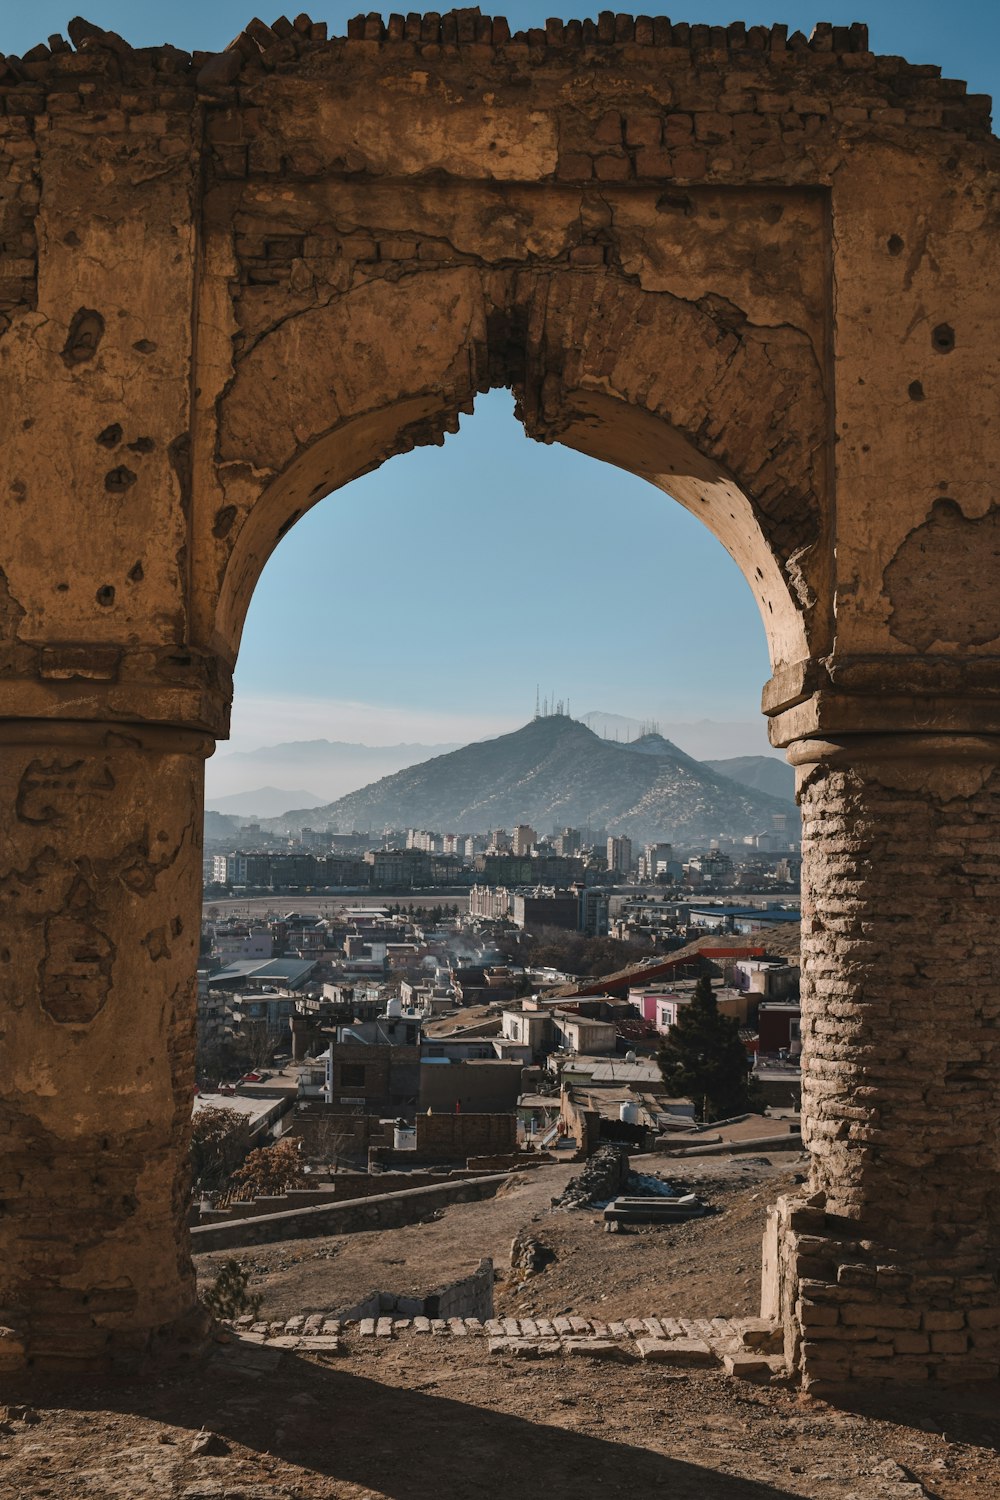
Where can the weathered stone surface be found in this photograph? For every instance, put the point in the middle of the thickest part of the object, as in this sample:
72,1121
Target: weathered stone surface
220,300
677,1351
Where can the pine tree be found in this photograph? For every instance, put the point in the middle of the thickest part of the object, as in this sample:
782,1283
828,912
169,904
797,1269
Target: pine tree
702,1058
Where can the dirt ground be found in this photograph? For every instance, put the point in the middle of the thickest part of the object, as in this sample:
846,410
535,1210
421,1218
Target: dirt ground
414,1418
442,1419
706,1268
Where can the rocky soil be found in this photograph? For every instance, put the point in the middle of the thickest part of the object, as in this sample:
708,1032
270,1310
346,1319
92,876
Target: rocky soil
414,1418
444,1420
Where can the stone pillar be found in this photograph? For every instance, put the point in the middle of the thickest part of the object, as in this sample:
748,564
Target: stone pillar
888,1269
100,889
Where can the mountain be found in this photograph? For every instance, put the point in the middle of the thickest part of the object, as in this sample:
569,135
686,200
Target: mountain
263,802
554,772
219,826
332,767
702,738
762,772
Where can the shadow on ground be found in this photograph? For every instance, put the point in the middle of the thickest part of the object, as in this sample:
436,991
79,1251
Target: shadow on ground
336,1433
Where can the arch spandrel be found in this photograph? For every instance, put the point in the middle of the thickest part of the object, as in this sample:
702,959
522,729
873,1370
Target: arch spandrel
732,414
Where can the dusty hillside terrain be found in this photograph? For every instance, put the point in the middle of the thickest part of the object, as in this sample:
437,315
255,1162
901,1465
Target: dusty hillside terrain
411,1418
705,1268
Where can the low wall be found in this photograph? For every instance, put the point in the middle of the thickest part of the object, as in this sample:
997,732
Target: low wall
792,1141
379,1211
349,1185
470,1297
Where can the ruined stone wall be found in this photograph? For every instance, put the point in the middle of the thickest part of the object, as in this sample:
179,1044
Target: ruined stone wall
376,1211
754,268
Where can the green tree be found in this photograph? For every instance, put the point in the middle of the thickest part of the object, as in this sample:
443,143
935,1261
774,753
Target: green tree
702,1058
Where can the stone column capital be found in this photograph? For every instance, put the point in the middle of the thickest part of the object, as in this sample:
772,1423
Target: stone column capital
832,697
108,684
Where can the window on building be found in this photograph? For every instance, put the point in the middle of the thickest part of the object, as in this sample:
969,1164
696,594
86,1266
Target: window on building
352,1075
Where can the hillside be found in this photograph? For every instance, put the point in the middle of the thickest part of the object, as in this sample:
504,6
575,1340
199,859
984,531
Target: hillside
551,773
329,768
764,773
262,802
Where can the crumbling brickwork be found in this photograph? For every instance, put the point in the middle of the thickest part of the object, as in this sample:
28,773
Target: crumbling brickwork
753,268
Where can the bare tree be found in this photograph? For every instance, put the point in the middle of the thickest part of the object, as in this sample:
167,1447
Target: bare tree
257,1043
332,1142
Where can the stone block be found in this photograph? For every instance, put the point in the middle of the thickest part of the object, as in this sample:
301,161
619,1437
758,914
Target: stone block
762,1335
911,1343
593,1348
950,1342
816,1314
966,1371
758,1367
612,168
643,130
943,1320
676,1351
874,1315
574,166
687,163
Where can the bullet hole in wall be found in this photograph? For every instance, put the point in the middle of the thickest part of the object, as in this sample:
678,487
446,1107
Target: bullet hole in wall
224,519
894,244
117,481
85,334
111,436
916,391
106,595
943,338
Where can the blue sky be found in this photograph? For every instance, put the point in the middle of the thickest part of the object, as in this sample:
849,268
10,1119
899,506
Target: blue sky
473,571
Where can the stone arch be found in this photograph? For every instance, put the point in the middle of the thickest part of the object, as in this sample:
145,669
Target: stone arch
722,415
754,267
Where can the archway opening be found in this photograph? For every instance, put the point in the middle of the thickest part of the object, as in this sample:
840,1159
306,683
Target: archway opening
456,583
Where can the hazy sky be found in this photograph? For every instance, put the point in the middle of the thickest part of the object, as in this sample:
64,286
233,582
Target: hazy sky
424,601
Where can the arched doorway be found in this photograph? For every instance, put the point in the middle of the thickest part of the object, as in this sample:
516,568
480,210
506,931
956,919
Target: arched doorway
765,298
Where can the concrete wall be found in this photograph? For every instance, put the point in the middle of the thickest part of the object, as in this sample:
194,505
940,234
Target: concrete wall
382,1211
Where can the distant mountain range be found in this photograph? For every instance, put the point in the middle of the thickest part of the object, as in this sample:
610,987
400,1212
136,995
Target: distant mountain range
762,772
265,802
245,782
556,772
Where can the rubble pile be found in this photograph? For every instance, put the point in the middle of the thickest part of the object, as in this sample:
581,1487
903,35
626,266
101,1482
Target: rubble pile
604,1175
529,1255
